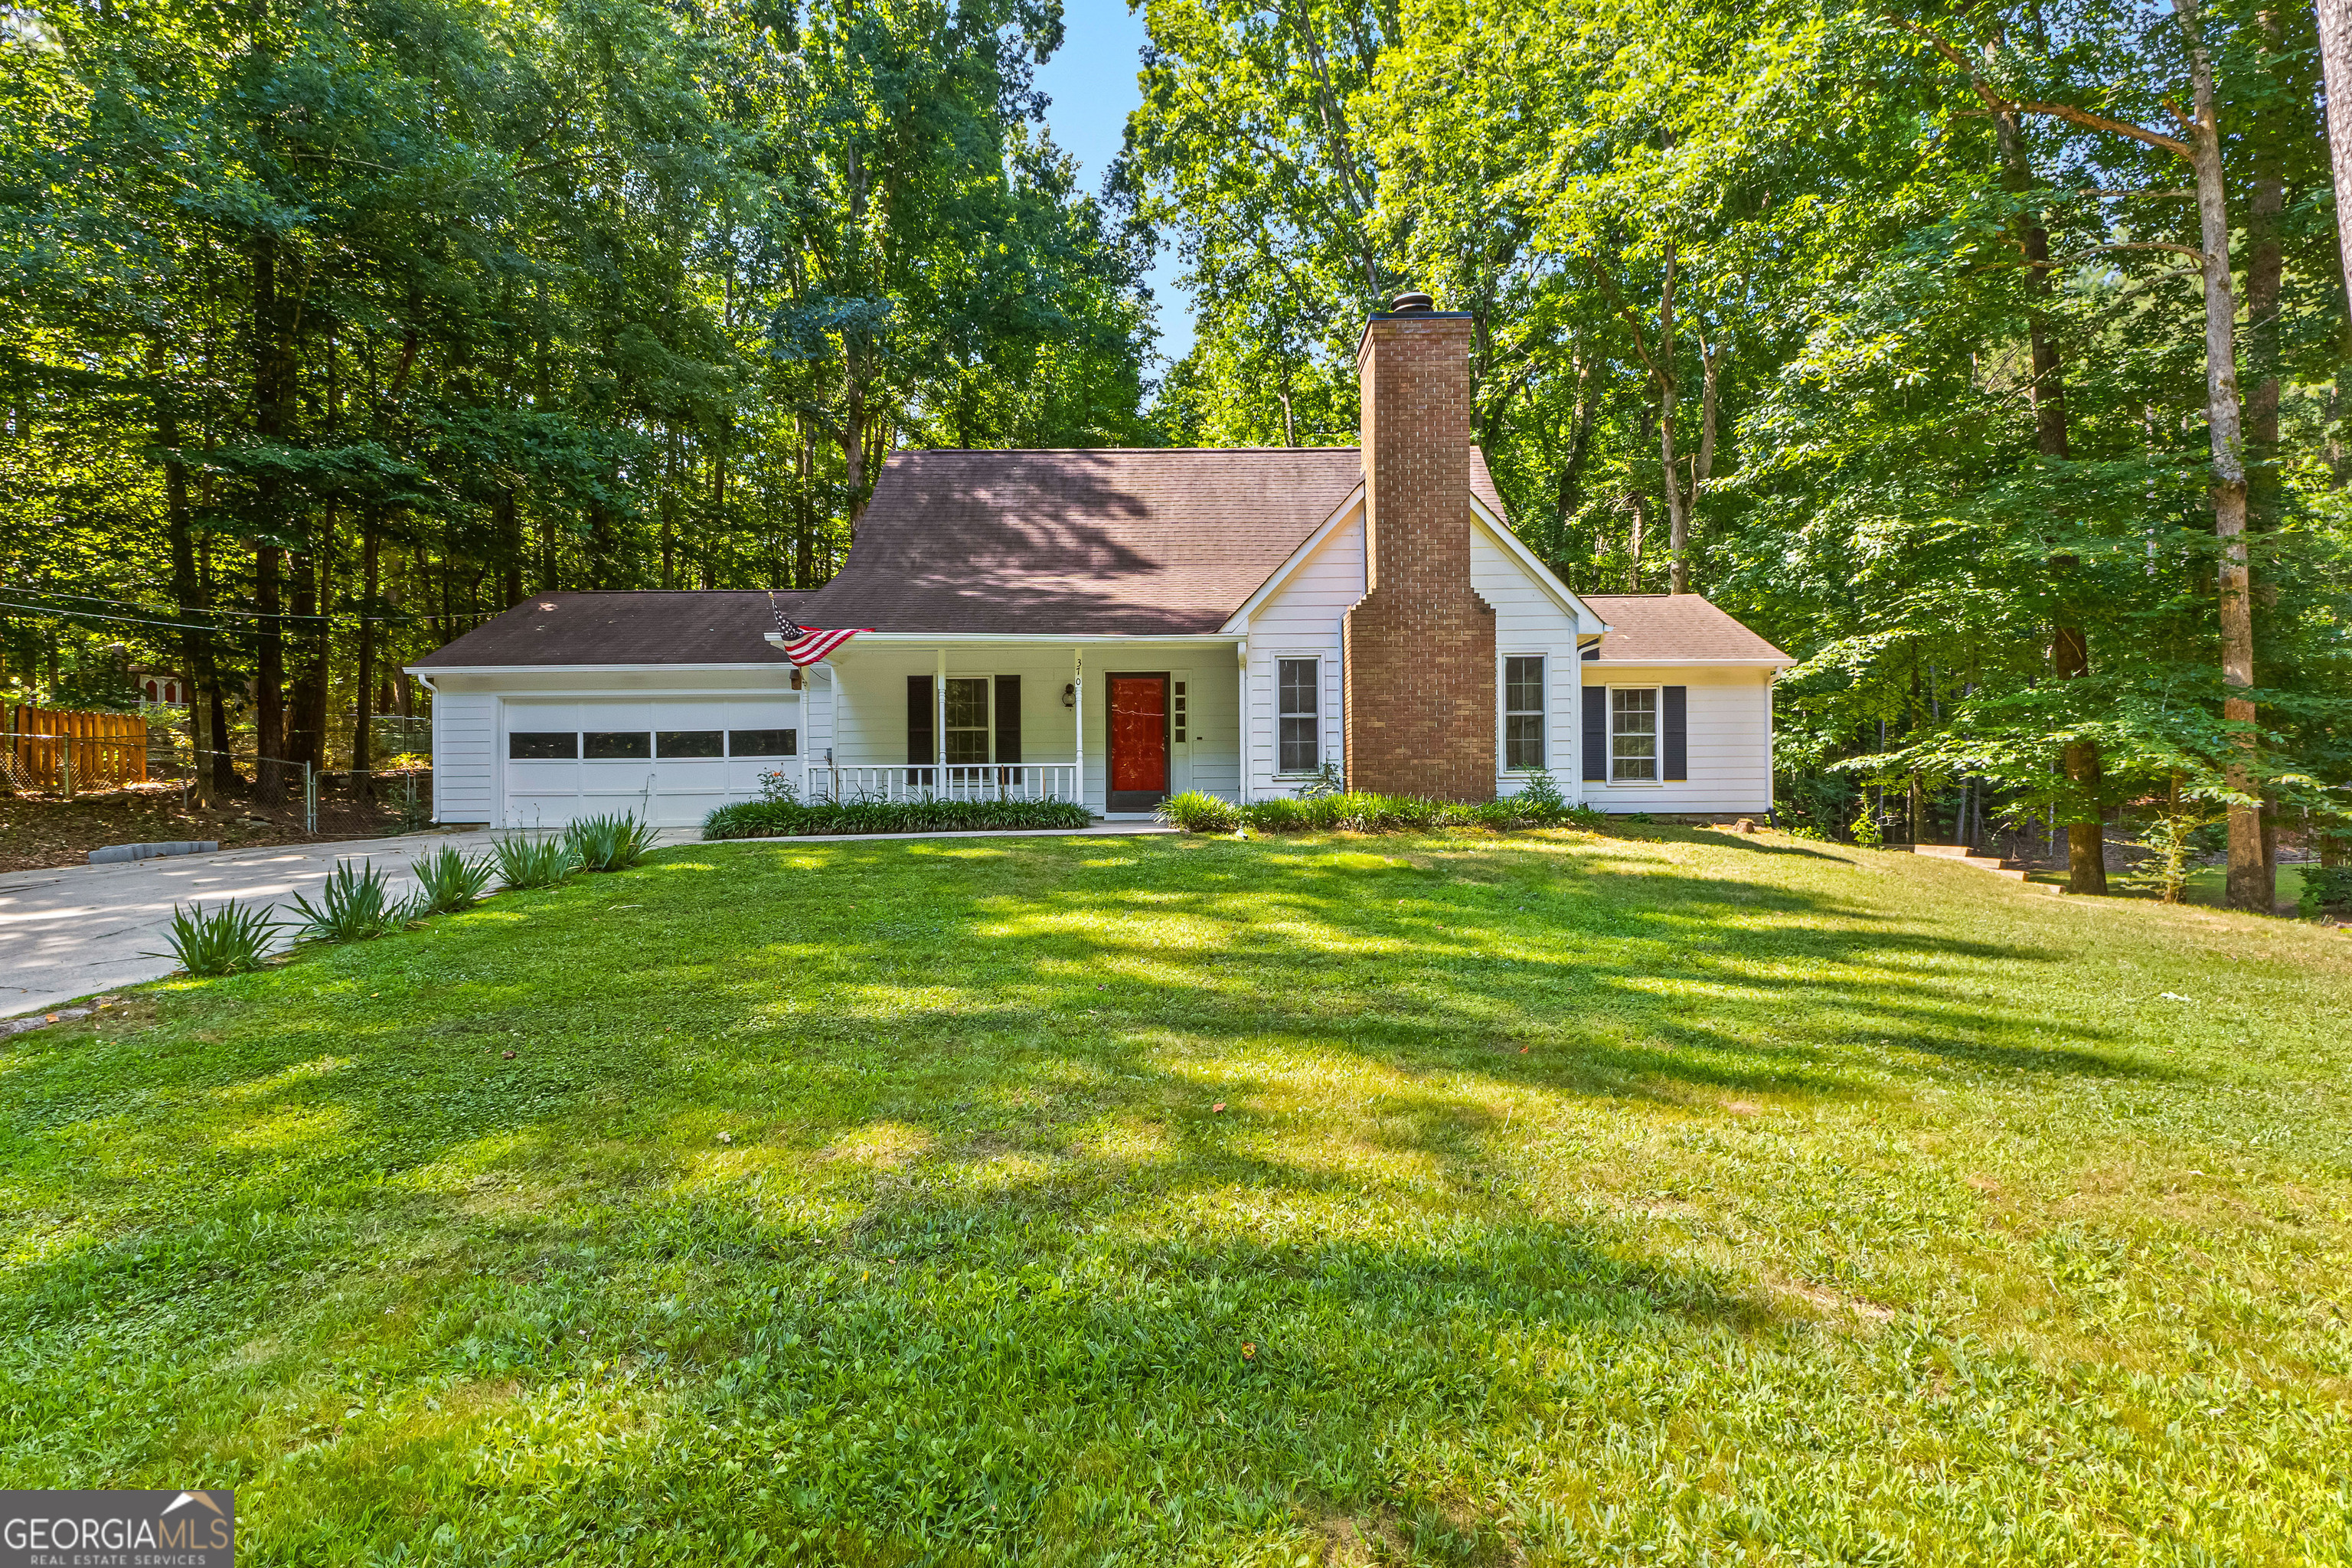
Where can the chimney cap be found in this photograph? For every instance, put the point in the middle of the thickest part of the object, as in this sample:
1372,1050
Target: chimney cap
1413,302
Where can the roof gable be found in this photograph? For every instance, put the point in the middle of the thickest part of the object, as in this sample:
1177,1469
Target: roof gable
1111,542
1675,628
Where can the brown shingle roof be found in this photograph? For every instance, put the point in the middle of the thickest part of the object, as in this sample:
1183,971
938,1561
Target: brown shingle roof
648,626
1114,542
1662,628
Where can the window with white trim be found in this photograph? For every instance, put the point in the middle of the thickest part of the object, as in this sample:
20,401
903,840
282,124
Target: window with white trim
967,720
1523,712
1633,734
1300,739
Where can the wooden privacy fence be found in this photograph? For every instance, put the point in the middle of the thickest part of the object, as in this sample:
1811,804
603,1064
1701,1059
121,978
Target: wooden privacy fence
51,748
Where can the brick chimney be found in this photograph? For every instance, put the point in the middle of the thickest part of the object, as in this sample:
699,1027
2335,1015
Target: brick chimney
1420,644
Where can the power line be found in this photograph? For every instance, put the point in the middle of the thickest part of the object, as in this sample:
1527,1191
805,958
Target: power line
246,615
94,615
177,626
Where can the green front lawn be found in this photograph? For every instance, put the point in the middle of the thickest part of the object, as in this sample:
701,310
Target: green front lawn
1656,1199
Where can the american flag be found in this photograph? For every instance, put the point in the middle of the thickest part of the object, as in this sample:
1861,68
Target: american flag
806,645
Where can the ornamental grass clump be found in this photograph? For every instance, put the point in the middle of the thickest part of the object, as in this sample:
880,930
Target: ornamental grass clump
229,939
609,842
525,861
1197,812
355,904
452,880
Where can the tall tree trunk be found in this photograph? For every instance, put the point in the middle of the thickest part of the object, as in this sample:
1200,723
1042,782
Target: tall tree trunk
303,741
1669,393
270,681
2070,651
272,390
1579,438
2250,883
187,589
215,730
2336,63
1633,553
853,449
512,546
362,743
2265,268
804,508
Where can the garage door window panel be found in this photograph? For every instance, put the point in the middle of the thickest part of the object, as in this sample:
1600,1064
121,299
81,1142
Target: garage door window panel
763,743
678,744
543,745
616,745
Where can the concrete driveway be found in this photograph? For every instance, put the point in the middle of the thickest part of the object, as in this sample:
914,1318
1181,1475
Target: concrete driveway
69,932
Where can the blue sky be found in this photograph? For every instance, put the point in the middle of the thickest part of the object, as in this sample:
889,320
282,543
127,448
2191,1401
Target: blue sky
1091,81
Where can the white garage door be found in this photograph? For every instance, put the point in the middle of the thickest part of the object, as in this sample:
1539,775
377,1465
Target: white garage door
670,761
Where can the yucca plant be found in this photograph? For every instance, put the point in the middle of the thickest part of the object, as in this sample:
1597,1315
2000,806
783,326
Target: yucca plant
228,940
354,904
609,842
524,861
451,880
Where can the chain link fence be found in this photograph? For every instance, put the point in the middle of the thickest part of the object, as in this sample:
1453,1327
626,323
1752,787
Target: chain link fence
289,795
342,803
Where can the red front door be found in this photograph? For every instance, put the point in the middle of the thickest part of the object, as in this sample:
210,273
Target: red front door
1138,741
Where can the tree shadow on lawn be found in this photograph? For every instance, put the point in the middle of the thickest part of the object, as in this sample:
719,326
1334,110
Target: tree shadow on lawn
982,1210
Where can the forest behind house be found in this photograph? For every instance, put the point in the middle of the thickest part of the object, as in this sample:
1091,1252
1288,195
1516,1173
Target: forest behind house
1988,358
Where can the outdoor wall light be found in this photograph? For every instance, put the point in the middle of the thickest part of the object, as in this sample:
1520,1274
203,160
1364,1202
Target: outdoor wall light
1070,695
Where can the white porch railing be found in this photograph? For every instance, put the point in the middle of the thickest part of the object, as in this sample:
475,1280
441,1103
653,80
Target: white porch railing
992,781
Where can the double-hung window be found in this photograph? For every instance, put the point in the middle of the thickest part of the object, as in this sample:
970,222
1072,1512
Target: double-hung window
1523,713
1633,734
967,716
1295,680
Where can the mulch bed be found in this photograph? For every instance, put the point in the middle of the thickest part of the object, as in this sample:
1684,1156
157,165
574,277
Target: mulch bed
37,831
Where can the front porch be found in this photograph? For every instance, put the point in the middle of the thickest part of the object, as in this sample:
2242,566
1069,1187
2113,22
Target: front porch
1115,724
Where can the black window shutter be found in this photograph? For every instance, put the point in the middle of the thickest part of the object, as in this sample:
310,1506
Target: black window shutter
1596,732
1008,718
918,720
1677,728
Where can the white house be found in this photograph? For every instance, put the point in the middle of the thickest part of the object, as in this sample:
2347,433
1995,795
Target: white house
1118,626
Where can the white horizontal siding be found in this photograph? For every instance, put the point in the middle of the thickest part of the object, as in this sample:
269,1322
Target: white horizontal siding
465,753
1302,619
1729,720
1529,621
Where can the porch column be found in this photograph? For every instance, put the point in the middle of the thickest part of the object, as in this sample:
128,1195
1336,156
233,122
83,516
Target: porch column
940,725
1078,712
805,742
1242,749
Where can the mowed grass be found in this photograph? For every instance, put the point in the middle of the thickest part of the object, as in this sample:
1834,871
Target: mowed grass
1675,1198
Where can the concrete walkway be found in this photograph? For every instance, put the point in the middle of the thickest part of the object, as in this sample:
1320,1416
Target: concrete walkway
71,931
81,930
